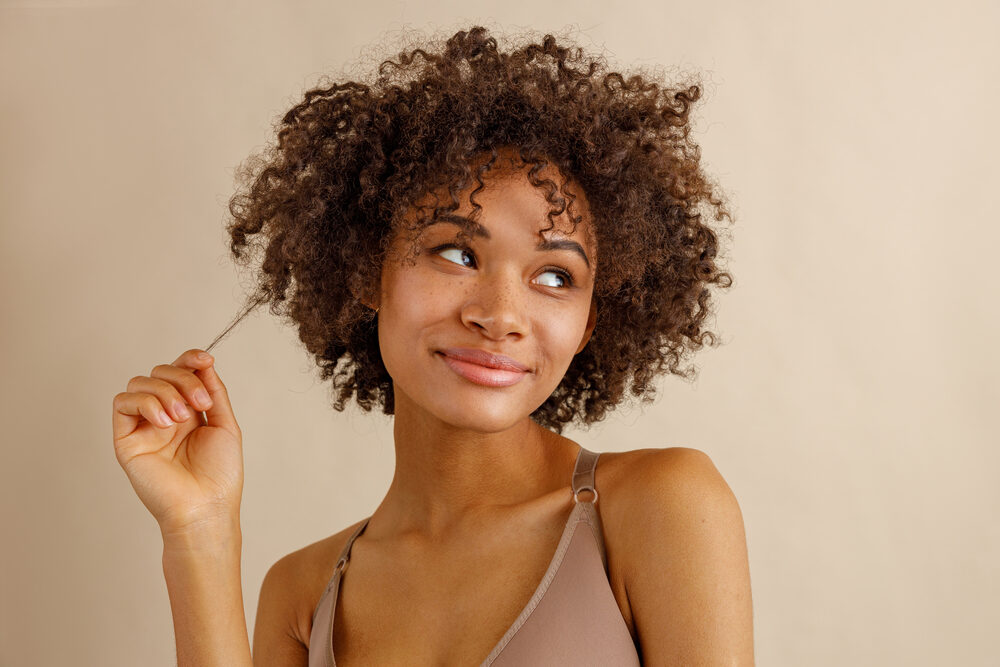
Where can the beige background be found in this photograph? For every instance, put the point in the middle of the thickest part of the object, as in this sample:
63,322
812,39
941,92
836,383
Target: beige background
850,407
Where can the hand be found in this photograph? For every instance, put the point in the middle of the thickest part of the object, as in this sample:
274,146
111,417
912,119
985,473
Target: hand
187,469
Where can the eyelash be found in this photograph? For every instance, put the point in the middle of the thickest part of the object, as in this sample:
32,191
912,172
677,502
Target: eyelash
566,275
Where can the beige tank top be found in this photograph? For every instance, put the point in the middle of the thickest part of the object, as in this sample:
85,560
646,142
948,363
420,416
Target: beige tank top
571,619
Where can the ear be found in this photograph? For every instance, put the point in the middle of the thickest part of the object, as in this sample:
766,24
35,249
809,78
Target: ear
372,301
591,321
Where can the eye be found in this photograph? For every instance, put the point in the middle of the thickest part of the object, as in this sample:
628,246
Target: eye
564,278
452,248
567,280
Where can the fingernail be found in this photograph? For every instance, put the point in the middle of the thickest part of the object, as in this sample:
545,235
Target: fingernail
165,419
201,397
181,411
204,356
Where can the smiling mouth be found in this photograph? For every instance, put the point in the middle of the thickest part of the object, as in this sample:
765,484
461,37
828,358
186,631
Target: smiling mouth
482,375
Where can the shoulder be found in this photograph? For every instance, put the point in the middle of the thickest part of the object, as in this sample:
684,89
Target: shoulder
682,555
294,584
675,482
672,474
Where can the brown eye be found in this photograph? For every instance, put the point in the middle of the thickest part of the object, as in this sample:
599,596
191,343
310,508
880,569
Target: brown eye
564,276
458,253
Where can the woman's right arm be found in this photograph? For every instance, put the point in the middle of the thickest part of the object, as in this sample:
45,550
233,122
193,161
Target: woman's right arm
202,571
187,469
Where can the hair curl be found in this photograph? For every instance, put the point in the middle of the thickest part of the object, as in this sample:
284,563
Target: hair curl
352,157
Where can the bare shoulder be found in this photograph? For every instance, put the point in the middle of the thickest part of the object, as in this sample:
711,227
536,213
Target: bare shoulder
675,471
674,475
295,583
683,556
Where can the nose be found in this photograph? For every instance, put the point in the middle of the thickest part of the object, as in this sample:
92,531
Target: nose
496,307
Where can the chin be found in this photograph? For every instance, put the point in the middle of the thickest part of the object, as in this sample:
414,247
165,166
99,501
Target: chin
465,410
480,417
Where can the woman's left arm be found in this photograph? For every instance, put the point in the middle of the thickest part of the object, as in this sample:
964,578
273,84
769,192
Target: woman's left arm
685,563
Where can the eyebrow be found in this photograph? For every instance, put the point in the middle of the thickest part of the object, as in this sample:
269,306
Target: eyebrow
545,244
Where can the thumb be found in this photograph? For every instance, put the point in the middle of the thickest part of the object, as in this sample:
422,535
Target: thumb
221,412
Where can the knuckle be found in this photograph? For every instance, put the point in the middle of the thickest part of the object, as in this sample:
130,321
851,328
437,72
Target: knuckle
165,391
160,384
188,385
144,385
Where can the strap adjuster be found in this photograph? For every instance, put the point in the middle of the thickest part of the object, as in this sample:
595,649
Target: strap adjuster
585,488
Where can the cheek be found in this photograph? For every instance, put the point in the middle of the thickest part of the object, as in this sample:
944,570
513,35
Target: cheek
413,306
415,296
563,335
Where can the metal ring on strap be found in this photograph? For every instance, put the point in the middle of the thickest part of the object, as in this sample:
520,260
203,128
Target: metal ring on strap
341,565
585,488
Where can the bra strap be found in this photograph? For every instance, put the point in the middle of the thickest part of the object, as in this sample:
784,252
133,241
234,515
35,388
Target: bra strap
583,480
583,474
345,553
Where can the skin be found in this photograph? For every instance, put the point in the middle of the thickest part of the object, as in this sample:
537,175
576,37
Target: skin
465,451
480,493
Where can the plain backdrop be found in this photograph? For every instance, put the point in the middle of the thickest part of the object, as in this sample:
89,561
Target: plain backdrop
851,405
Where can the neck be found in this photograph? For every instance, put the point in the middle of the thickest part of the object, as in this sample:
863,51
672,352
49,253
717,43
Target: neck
446,477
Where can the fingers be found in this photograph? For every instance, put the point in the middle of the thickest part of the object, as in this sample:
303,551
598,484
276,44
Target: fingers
219,410
163,398
172,385
172,401
129,406
192,360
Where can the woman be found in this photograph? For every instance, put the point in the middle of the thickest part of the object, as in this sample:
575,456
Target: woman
488,246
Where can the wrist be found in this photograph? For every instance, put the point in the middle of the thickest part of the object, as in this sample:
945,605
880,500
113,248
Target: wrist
220,534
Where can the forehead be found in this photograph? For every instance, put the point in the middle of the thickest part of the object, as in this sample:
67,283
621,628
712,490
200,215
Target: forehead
507,194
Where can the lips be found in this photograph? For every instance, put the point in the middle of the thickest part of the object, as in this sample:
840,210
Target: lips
483,358
484,368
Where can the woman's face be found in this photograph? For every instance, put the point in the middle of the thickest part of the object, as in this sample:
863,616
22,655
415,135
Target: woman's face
501,294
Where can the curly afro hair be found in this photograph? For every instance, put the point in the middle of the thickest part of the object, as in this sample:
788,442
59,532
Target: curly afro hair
351,158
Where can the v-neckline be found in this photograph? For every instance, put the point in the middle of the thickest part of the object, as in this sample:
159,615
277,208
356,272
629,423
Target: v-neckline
543,585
